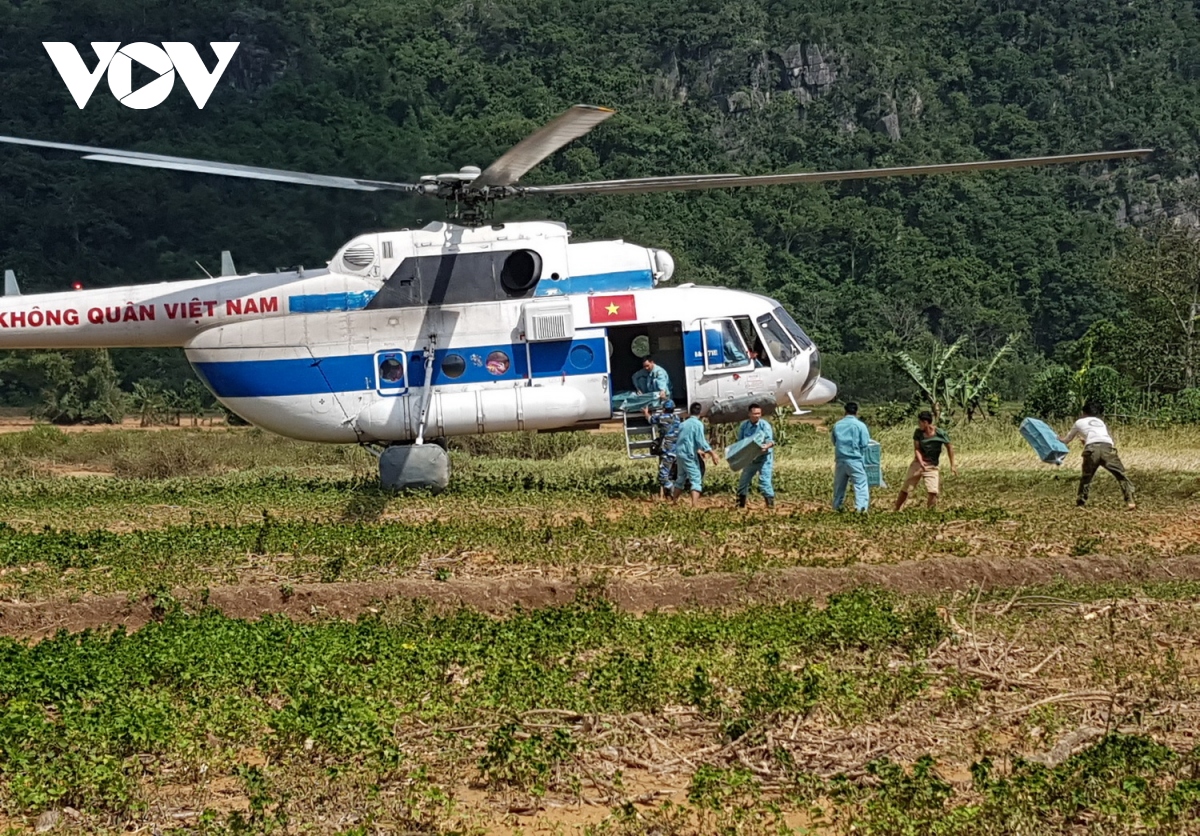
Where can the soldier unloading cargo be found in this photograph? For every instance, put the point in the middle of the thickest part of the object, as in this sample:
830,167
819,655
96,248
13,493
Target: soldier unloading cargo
763,465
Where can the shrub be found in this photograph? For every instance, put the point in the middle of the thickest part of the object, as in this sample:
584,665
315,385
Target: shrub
1106,386
894,413
1051,396
1185,407
1059,392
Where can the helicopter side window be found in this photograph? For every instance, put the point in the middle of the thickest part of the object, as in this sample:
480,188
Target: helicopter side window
795,330
723,345
758,353
391,370
389,373
779,344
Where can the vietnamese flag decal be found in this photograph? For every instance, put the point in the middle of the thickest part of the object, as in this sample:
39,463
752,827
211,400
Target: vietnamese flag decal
612,308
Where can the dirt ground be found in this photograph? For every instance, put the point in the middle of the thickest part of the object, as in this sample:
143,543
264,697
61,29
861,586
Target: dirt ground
17,420
500,595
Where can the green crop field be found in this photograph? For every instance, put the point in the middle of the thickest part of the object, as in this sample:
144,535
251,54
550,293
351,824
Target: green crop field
220,631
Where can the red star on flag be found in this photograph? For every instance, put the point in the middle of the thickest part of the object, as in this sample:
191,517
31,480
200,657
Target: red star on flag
612,308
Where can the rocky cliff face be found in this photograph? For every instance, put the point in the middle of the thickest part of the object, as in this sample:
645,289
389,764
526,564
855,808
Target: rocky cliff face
1155,198
805,72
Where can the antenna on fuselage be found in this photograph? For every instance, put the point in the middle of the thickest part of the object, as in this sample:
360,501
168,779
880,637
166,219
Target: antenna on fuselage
227,268
10,284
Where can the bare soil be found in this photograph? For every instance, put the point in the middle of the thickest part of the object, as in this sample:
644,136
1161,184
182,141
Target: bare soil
13,421
500,595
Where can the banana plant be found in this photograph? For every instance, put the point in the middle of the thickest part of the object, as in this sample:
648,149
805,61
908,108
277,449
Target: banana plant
932,378
969,389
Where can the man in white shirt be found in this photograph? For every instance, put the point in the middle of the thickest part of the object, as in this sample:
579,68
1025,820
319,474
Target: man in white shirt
1098,451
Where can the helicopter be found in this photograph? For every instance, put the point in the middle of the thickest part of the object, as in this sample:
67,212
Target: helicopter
468,326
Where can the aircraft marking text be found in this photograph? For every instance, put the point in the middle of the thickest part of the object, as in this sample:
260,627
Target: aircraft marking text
129,312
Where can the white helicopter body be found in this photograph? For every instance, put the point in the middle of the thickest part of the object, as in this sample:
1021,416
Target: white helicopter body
339,355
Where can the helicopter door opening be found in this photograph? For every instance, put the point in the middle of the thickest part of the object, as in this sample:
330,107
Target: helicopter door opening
629,345
390,376
738,377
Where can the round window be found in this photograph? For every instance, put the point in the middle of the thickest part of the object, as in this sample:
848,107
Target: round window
497,362
640,346
391,370
453,366
582,357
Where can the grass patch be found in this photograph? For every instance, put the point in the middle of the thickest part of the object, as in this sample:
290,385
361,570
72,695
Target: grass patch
81,716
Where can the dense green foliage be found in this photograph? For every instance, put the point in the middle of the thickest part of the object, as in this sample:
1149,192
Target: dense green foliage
397,89
77,711
1123,784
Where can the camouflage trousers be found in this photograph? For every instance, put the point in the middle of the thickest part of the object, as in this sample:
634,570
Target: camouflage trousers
666,471
1102,455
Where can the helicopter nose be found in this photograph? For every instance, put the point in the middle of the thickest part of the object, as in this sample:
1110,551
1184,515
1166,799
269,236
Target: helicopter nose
814,369
823,391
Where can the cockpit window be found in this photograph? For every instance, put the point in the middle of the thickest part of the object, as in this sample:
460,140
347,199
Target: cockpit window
795,330
778,342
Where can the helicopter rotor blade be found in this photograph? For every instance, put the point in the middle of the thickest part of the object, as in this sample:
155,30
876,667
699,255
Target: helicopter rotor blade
147,160
569,125
646,185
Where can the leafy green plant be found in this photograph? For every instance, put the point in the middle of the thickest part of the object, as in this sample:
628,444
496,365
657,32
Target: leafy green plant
932,377
528,762
76,386
893,414
944,387
971,388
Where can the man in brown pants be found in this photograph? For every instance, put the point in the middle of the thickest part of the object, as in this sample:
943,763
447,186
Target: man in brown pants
1098,451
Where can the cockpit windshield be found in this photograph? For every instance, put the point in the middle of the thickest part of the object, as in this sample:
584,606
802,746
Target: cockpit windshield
779,344
795,330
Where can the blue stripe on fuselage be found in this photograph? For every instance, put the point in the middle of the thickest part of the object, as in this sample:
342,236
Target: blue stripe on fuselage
324,302
353,373
596,283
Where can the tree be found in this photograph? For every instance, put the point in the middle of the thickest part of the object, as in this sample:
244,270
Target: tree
152,403
945,387
1160,273
193,399
76,386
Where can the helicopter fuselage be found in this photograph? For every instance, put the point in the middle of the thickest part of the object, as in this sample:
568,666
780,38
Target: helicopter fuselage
479,330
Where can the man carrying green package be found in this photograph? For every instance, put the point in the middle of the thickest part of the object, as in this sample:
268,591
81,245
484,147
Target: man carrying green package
764,464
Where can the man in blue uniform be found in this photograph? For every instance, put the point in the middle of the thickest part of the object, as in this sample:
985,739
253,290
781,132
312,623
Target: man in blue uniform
668,433
689,447
764,464
850,440
652,380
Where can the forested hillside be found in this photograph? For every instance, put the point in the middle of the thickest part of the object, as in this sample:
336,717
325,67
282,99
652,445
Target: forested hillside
398,88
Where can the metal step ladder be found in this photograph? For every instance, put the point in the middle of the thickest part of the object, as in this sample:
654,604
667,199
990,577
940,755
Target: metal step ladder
640,435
